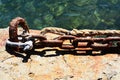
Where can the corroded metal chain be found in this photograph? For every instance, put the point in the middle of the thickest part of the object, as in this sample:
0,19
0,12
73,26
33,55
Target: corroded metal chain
13,28
79,42
76,39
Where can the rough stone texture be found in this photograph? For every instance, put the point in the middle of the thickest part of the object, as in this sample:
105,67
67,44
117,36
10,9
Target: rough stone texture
52,66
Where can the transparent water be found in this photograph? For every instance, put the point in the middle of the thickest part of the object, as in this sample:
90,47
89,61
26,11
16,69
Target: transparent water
69,14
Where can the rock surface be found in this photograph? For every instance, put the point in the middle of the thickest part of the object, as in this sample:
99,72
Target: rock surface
56,66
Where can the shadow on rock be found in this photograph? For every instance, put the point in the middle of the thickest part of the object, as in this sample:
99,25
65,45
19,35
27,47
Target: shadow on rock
43,53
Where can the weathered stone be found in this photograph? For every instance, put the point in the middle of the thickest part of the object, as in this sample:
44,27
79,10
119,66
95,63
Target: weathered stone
57,66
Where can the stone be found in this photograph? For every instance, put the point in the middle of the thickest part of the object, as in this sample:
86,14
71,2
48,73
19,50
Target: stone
51,66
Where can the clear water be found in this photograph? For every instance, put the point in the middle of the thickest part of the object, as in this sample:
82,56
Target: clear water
68,14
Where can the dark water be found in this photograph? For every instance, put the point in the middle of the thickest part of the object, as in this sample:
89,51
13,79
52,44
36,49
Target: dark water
69,14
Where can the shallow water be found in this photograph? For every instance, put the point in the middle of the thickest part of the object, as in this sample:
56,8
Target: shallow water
68,14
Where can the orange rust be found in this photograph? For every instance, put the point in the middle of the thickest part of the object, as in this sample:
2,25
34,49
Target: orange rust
18,21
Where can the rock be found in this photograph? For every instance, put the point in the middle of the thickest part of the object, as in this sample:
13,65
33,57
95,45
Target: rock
116,77
4,76
57,65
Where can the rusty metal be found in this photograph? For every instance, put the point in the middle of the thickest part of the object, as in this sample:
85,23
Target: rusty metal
13,28
52,43
67,37
83,40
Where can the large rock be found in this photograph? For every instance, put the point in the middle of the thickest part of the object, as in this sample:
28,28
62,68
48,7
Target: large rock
57,66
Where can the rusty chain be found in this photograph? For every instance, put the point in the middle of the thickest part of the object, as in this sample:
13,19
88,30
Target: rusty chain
77,39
